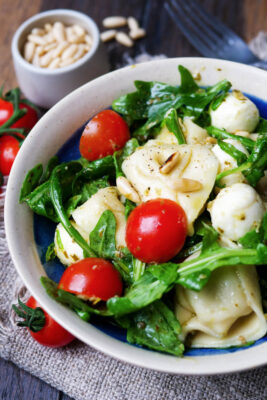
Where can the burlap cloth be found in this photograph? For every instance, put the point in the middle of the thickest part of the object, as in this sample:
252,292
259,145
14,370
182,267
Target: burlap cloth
86,374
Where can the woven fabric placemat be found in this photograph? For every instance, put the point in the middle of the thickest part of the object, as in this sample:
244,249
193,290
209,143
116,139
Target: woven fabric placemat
86,374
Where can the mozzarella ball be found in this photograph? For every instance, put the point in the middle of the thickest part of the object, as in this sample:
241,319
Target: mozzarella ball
235,113
66,249
227,162
236,210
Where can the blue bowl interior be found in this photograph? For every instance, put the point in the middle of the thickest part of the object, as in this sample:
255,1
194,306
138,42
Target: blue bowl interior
44,230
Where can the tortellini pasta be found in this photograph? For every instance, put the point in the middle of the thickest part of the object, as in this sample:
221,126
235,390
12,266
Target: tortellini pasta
226,312
197,162
85,219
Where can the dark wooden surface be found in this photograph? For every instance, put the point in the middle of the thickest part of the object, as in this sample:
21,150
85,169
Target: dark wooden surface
245,17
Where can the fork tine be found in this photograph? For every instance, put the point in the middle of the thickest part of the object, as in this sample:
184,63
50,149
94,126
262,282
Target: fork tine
211,39
208,19
190,32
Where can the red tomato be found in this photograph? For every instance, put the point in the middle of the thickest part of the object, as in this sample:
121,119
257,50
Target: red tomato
6,111
103,135
27,121
9,148
52,334
156,230
92,278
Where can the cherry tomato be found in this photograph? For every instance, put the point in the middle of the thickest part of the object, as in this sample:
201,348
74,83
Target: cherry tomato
103,135
156,230
9,148
6,111
92,278
52,334
27,121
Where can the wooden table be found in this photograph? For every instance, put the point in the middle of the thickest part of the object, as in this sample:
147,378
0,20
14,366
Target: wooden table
245,17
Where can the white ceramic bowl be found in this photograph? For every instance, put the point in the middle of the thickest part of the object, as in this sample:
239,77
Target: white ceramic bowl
46,87
44,141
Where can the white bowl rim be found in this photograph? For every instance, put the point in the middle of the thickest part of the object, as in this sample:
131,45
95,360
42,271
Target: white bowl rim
57,12
248,358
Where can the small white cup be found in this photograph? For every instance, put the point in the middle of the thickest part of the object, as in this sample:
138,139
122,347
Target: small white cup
46,87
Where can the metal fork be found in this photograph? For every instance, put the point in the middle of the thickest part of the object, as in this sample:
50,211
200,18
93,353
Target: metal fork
209,35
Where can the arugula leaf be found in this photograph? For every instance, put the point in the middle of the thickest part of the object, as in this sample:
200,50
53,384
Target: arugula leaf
173,125
257,161
50,252
193,274
52,163
94,170
254,167
129,207
152,100
188,84
123,262
87,190
251,239
155,327
39,200
262,126
222,134
30,182
155,281
69,299
238,155
138,269
102,237
56,194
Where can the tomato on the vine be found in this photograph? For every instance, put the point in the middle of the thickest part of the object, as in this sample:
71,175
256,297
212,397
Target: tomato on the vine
105,133
27,121
9,147
93,279
156,230
43,328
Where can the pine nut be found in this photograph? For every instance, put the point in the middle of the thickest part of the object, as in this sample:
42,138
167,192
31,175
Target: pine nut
211,140
79,31
186,185
36,39
36,60
60,48
114,22
50,46
69,52
39,50
88,39
46,59
133,24
55,46
48,27
66,62
38,31
126,189
80,52
59,31
29,50
137,34
124,39
170,163
49,38
54,63
108,35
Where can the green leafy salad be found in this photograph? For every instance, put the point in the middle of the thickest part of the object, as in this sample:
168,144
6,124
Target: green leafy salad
161,223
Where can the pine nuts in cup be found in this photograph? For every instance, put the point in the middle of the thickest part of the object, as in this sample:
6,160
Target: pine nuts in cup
56,45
